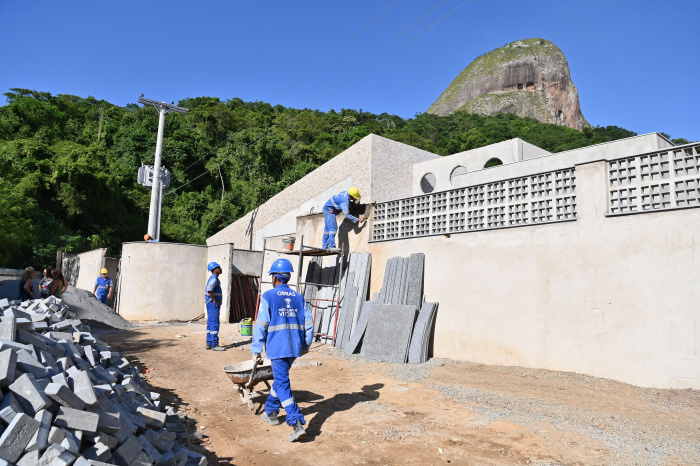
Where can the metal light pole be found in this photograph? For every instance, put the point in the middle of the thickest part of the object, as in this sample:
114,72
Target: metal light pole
157,190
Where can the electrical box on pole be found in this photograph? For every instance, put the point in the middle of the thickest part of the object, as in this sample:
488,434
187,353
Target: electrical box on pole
156,178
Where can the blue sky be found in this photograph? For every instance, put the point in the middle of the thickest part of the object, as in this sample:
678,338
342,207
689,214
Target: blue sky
635,63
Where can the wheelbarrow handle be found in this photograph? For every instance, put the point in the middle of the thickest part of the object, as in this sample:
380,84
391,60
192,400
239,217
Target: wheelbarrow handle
249,385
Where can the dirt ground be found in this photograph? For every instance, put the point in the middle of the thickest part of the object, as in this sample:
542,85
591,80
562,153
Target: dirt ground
363,412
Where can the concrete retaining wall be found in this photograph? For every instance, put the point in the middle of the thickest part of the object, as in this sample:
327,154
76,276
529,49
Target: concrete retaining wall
162,281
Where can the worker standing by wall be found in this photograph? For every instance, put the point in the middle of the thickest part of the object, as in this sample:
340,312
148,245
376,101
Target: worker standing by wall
103,287
285,327
336,204
213,299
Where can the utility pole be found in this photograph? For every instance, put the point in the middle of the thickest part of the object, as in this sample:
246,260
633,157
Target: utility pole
157,190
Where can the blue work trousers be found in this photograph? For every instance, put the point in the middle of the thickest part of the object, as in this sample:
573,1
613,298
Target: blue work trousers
103,299
330,228
281,392
213,324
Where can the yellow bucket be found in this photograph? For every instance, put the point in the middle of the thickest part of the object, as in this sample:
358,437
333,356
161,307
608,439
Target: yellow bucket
246,326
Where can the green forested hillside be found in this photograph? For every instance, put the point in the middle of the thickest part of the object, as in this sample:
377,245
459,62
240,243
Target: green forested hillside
68,164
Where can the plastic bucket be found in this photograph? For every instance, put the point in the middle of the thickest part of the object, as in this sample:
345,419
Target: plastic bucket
246,326
288,243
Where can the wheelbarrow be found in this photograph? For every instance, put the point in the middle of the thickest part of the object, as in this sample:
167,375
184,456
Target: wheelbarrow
246,375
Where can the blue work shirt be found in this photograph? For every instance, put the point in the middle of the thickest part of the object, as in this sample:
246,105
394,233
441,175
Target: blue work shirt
103,285
341,201
214,285
284,324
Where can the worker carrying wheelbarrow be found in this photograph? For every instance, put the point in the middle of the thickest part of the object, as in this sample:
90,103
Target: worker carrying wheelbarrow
285,327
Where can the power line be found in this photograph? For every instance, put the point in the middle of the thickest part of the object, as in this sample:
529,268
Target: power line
354,78
297,83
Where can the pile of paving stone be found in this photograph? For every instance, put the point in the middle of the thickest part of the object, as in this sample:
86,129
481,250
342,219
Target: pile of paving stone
68,399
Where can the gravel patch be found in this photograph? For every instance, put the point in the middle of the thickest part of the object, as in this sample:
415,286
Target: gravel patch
629,441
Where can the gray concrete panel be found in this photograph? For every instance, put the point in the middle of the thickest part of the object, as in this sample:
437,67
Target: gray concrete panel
389,332
414,282
354,341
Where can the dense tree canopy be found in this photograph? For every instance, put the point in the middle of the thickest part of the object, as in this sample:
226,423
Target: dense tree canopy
69,163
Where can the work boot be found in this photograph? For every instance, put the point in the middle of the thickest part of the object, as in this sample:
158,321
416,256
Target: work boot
299,432
271,418
218,348
207,347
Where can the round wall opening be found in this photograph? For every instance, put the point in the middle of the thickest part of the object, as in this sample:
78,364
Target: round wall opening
494,162
427,183
457,179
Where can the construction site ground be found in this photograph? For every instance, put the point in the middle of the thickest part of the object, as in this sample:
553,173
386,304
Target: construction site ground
443,411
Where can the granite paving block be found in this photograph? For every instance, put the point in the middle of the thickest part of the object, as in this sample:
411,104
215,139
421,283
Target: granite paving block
150,449
421,332
56,435
153,418
64,396
9,408
16,437
4,302
7,328
27,364
82,386
77,420
161,443
8,364
354,342
40,440
168,459
389,332
72,441
29,459
106,439
98,451
30,394
51,453
414,281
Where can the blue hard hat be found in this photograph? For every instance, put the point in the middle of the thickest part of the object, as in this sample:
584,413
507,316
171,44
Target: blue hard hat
212,265
281,266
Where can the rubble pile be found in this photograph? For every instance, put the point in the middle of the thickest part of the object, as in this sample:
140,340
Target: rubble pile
68,399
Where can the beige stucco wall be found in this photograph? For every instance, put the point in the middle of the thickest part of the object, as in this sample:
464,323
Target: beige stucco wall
162,281
613,297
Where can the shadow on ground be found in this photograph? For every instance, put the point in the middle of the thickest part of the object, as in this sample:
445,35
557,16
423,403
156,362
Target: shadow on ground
326,408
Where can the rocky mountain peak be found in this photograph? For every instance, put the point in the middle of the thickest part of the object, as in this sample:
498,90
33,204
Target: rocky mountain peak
530,78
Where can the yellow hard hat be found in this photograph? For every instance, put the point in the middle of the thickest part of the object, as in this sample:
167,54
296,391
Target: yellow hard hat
354,192
103,271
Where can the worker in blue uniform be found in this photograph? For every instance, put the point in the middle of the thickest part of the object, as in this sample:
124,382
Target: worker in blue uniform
285,327
103,287
336,204
213,298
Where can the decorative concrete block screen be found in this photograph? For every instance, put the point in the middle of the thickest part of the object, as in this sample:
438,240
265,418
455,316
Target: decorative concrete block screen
665,179
543,198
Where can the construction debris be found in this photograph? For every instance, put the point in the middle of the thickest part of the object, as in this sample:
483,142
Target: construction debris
69,399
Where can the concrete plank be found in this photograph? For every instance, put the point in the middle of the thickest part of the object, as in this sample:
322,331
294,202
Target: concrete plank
16,437
389,332
356,337
416,353
414,280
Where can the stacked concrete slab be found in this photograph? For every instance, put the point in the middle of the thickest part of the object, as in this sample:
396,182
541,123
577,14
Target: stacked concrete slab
353,293
422,332
68,399
389,327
